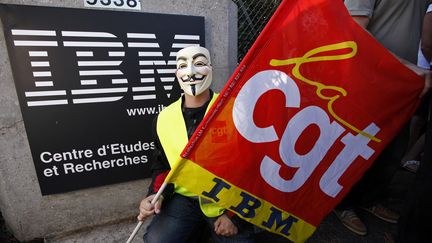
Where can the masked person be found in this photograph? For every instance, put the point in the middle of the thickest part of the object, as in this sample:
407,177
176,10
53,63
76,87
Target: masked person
180,215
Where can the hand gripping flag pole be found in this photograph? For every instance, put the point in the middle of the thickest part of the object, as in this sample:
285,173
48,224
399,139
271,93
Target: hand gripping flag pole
140,223
172,174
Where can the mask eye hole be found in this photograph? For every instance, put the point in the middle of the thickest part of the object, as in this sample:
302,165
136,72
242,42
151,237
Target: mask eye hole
182,65
200,64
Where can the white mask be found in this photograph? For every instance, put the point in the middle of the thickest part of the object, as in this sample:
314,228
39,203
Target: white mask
194,71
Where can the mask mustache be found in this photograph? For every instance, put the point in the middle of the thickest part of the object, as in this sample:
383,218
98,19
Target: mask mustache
193,79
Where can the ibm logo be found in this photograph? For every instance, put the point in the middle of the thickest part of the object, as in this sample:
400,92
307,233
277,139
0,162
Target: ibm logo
91,68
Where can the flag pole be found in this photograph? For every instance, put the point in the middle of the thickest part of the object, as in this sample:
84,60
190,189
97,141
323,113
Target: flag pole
140,223
177,165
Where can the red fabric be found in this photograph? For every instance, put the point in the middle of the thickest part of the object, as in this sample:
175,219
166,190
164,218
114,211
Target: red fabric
229,213
379,90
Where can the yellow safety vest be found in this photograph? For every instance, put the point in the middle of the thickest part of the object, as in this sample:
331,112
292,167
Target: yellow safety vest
172,133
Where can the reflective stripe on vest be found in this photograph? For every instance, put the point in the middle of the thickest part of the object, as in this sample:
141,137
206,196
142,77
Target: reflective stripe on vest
172,133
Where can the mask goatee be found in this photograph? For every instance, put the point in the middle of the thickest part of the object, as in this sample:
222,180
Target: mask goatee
193,89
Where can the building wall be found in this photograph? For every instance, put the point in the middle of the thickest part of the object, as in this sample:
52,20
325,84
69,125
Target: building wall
29,214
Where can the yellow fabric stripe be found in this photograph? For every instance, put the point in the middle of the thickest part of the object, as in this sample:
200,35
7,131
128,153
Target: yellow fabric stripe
204,181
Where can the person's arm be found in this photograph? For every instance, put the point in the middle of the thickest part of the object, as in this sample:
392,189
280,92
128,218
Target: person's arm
160,169
361,10
426,38
425,73
363,21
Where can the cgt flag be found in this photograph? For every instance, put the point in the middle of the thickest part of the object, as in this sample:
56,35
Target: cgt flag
309,108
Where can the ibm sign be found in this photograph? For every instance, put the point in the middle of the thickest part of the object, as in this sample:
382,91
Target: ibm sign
90,83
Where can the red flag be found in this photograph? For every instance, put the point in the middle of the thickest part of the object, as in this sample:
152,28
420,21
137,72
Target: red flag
312,104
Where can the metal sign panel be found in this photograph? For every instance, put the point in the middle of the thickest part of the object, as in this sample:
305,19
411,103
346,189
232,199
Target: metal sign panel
90,83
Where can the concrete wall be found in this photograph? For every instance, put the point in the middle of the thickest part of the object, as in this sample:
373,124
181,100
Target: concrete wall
29,214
